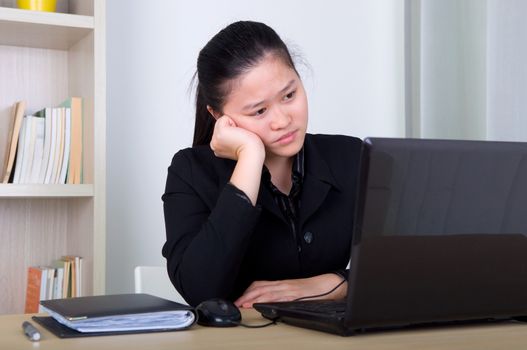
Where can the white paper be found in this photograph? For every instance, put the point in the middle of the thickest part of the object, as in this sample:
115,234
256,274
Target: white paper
134,322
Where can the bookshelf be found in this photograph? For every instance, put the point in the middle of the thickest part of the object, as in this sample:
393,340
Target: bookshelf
44,59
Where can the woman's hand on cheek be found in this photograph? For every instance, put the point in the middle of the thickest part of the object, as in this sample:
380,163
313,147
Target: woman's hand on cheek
230,141
288,290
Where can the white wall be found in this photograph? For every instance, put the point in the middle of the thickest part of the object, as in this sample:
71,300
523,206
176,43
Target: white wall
355,86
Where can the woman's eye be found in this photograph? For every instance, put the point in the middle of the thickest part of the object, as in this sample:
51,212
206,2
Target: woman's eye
260,111
289,95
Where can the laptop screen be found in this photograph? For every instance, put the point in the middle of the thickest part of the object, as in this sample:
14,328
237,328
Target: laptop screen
440,232
431,187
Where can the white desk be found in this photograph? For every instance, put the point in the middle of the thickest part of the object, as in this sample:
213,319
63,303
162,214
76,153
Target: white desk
504,336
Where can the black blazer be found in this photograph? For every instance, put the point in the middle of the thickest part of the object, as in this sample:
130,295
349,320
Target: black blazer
218,243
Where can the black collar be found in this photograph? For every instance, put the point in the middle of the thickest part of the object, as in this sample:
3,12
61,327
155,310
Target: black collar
297,174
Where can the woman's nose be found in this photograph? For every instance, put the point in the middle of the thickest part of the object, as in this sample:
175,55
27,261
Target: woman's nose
280,120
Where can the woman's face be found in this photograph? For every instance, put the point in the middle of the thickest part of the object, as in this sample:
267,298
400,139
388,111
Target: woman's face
270,101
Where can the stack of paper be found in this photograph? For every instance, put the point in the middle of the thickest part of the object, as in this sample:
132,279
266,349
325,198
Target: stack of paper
134,322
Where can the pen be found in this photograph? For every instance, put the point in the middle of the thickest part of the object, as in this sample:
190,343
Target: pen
30,331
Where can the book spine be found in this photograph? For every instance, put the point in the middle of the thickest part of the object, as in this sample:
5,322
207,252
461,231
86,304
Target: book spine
34,278
19,108
38,150
59,146
47,146
67,143
20,151
29,149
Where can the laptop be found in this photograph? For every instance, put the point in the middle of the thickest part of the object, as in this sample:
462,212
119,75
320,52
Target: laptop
440,236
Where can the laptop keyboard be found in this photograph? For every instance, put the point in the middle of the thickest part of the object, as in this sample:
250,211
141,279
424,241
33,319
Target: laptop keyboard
317,306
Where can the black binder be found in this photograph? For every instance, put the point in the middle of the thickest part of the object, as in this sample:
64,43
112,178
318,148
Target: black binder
62,331
105,305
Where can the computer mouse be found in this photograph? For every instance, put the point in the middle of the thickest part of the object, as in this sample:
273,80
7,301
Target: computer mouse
218,313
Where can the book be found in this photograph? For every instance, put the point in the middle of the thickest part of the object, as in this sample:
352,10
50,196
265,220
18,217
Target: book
50,283
34,172
67,143
31,132
20,151
63,267
59,146
74,274
30,150
37,288
119,313
76,140
66,289
79,275
43,286
46,114
58,282
33,294
53,145
18,115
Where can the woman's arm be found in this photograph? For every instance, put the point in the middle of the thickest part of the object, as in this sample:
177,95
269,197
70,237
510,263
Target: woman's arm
204,247
231,142
288,290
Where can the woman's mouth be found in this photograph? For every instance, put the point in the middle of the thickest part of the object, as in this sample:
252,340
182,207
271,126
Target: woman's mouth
287,138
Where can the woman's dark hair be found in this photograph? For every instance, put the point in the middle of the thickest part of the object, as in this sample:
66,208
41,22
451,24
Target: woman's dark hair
230,53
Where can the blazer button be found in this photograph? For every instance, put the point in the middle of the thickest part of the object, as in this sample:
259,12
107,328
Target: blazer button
308,237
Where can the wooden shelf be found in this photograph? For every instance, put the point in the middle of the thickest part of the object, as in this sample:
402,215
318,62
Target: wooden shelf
45,191
37,29
45,58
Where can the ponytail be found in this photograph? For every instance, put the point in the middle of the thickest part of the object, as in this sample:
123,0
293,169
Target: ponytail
204,124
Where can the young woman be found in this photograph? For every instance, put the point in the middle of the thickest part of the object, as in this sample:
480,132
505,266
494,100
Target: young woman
257,210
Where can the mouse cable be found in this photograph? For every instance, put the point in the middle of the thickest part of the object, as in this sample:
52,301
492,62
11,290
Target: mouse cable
254,326
321,295
298,299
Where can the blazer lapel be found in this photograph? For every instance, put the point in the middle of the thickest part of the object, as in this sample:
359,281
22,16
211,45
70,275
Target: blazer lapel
314,192
317,182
